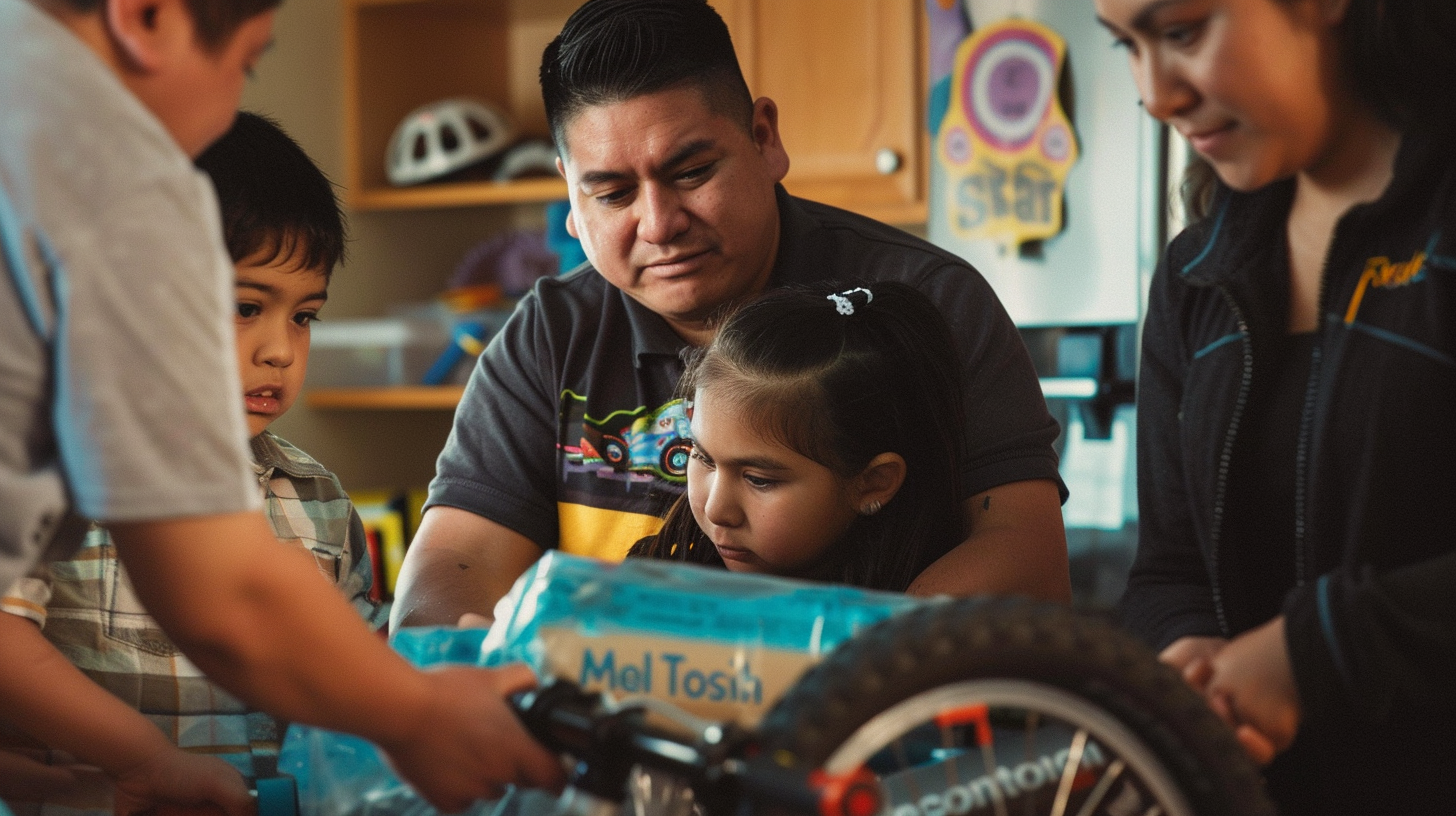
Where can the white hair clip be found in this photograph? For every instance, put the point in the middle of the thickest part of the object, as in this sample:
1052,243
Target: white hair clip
844,305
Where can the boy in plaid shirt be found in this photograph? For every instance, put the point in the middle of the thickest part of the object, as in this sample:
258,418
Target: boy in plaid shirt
285,235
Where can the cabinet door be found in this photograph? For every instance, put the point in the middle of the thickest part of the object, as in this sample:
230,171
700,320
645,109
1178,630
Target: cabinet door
847,77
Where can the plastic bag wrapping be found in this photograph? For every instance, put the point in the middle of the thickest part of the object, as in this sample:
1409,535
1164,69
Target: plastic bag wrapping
343,775
720,645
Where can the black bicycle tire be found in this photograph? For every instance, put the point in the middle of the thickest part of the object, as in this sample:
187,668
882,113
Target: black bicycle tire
956,641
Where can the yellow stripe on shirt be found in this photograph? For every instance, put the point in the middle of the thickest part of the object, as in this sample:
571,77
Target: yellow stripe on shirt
598,533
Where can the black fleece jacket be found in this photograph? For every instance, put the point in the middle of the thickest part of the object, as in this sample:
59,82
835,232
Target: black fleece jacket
1371,619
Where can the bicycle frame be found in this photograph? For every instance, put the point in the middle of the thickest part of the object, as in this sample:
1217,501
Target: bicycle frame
880,705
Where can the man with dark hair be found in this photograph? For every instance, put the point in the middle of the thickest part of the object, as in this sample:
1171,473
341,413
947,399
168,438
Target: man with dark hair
118,404
567,432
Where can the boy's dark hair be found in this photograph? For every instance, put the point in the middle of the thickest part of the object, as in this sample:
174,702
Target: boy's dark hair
841,389
216,20
610,51
275,201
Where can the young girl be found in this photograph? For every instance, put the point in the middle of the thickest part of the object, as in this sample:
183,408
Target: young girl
1299,365
826,428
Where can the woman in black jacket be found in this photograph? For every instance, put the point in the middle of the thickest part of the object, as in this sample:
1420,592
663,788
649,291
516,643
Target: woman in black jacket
1295,559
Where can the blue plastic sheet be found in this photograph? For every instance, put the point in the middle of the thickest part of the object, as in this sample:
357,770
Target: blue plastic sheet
718,644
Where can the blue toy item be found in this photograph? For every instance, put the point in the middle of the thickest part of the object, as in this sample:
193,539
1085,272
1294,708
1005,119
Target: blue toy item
468,337
567,248
277,796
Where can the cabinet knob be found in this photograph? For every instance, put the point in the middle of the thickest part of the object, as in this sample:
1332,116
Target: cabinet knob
887,160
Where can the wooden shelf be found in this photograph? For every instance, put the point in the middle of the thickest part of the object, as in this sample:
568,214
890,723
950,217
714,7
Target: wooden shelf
383,2
397,398
459,194
848,76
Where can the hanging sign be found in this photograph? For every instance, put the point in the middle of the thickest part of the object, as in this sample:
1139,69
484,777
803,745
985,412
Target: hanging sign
1006,144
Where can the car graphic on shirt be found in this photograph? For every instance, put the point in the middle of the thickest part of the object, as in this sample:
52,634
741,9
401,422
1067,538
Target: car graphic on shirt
640,441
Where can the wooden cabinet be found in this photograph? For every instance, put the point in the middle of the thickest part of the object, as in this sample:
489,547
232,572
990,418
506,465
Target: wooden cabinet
401,54
847,75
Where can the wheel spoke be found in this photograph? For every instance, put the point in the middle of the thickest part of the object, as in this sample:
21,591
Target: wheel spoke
948,743
1069,772
1033,722
998,797
1100,789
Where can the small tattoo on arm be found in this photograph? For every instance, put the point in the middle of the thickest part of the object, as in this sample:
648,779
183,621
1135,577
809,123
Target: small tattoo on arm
986,504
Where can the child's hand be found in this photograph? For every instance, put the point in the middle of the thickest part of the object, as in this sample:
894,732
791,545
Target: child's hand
468,743
174,781
1251,685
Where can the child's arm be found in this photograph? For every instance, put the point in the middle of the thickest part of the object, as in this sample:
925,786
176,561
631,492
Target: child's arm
50,699
257,617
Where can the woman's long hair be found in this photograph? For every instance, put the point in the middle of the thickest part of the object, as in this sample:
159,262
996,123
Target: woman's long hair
840,373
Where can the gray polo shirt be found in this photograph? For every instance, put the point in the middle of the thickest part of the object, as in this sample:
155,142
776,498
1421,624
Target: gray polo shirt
570,433
119,390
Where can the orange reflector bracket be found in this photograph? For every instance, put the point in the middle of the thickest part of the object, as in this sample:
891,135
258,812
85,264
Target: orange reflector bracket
978,715
856,793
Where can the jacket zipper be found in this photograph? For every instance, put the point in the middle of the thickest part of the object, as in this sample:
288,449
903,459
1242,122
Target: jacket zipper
1301,459
1306,418
1226,458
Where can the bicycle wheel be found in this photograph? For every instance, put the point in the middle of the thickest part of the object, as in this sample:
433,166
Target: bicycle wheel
1010,707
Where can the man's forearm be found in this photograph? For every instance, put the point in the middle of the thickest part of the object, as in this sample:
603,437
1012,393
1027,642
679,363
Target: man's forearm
436,587
981,566
458,562
1016,546
257,617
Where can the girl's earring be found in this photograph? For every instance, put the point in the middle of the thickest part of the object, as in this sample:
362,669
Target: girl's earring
871,508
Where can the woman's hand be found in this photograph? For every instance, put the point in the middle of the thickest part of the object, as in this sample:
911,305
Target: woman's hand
174,781
1192,657
1251,685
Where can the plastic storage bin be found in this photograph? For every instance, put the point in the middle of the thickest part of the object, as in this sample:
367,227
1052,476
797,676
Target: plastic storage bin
374,352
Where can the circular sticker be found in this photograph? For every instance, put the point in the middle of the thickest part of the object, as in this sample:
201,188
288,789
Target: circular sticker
1011,82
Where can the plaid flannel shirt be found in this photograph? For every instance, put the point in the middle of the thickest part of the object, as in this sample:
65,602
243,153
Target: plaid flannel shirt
86,607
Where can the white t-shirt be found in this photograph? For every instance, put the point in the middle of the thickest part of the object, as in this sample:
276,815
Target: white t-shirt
119,389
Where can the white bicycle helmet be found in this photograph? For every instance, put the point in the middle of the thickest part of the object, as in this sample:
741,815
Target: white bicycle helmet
442,137
534,157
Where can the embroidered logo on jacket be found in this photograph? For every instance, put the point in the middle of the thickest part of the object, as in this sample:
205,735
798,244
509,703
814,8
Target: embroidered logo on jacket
1382,273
